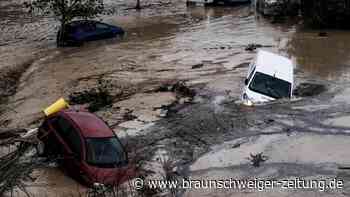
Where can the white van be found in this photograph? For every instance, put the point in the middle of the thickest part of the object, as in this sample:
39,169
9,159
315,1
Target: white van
270,77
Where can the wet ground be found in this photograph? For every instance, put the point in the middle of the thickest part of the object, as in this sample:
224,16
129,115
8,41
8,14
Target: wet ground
213,135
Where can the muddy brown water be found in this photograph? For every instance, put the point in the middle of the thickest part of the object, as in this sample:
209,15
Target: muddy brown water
163,43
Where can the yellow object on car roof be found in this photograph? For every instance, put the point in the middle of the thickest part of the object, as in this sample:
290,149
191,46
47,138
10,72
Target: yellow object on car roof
56,107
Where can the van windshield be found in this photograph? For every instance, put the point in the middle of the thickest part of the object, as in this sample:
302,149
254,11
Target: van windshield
270,86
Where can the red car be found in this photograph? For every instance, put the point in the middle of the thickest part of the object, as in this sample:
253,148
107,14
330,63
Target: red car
89,149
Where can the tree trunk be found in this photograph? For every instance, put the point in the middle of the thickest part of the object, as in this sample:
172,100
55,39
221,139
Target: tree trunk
60,35
63,20
138,6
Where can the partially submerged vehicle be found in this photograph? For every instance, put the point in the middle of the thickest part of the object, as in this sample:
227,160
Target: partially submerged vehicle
78,32
89,150
217,2
201,2
232,1
270,76
277,7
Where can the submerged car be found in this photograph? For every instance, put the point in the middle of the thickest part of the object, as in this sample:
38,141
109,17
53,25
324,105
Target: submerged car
232,1
217,2
203,2
89,150
278,7
270,77
78,32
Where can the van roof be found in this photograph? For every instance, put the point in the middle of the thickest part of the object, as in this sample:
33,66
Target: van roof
274,65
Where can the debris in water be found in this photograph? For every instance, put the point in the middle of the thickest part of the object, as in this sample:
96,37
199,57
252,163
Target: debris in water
241,65
257,159
309,89
237,145
253,46
200,65
277,8
14,166
97,98
129,116
180,88
268,121
10,133
5,122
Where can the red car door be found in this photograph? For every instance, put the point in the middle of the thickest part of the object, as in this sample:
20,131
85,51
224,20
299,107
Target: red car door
72,143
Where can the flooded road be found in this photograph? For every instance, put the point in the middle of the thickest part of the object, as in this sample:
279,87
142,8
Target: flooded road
163,44
155,49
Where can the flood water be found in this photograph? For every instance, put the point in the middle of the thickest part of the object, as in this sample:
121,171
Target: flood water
163,42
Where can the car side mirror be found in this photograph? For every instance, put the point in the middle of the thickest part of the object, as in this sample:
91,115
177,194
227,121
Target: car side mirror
246,81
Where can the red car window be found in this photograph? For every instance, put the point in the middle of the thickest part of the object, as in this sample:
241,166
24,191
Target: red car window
105,152
69,134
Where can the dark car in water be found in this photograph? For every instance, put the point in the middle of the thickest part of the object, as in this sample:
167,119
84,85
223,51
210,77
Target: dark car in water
86,147
78,32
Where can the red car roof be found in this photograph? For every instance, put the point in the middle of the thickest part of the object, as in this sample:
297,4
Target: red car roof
89,124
